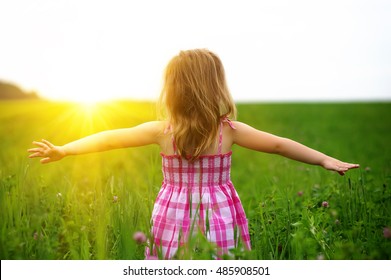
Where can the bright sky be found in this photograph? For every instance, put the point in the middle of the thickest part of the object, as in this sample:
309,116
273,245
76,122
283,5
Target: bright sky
278,50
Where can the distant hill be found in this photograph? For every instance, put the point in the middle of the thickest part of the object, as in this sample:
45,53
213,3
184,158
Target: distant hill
10,91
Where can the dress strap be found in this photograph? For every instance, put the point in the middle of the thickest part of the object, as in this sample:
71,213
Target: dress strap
174,145
220,138
224,120
230,123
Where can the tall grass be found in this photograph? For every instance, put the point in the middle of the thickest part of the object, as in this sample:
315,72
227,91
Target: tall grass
88,207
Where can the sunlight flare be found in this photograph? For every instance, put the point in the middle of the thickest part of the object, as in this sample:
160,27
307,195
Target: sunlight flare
89,107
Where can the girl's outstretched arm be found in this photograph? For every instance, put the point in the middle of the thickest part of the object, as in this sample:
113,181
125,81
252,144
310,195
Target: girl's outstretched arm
254,139
141,135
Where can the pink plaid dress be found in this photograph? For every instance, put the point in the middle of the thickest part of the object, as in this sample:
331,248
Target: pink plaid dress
197,196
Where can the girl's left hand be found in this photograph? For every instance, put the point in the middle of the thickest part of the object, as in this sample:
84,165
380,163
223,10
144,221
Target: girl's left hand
338,166
47,151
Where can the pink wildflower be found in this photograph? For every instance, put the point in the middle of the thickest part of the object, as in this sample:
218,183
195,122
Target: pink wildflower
387,232
139,237
300,193
325,204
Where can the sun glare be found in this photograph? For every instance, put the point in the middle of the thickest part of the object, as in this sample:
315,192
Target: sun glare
91,115
88,105
89,108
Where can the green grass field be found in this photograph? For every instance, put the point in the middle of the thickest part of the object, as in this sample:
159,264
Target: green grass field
88,207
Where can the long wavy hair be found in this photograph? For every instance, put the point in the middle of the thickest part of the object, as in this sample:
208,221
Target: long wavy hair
195,97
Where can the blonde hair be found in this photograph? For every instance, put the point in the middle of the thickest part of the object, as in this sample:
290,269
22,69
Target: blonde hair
196,97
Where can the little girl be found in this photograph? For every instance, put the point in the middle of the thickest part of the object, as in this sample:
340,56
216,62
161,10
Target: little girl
195,142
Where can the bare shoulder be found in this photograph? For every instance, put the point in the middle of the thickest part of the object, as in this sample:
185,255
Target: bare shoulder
244,135
158,125
160,129
252,138
157,128
240,127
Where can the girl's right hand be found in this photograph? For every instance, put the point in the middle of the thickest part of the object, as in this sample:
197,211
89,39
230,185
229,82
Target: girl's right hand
47,151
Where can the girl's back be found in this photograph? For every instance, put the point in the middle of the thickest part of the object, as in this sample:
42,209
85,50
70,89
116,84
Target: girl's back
166,140
198,196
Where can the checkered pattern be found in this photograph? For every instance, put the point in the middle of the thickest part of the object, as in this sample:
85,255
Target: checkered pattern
196,196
